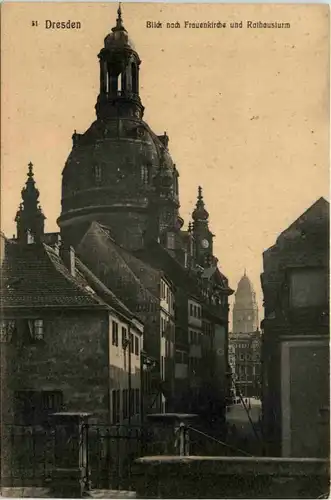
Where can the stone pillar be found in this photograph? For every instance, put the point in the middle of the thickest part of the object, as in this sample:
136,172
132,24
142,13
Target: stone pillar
70,476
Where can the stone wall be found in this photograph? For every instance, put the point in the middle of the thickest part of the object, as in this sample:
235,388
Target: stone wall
72,358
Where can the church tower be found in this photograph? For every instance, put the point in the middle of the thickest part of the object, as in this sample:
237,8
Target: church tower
245,310
203,237
29,218
119,172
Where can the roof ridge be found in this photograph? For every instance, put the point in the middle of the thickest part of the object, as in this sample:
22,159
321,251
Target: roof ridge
63,270
103,286
128,266
139,283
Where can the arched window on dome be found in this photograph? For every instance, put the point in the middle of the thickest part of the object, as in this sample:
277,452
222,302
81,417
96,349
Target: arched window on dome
171,241
119,83
97,174
145,174
134,77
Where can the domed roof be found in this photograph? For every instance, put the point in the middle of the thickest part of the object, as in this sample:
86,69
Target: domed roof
245,285
125,153
200,213
119,37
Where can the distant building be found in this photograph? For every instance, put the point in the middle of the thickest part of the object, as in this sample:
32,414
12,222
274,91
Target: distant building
295,347
245,340
245,311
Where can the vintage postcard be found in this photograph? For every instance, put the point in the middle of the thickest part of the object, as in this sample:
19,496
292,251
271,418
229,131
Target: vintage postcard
165,250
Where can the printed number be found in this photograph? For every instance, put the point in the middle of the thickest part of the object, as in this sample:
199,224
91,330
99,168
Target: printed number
34,23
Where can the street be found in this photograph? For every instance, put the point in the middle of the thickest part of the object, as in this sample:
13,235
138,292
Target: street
240,430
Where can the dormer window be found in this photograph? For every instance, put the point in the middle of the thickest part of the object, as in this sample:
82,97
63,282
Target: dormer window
7,327
145,174
171,241
30,237
36,329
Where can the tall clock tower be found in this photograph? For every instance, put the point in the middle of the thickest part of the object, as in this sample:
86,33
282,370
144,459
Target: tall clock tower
203,237
245,310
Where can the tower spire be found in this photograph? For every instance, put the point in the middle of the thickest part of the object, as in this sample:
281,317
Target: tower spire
29,217
119,21
200,213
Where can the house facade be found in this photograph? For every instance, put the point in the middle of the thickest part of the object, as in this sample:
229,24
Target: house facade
295,340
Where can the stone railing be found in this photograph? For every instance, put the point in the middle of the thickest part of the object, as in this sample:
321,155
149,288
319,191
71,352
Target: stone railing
231,477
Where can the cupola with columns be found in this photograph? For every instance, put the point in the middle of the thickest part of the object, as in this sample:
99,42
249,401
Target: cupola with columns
119,75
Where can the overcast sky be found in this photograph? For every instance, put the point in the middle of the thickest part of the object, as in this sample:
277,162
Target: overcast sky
246,110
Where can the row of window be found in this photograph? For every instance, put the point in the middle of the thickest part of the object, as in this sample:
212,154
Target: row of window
31,407
167,328
194,365
163,368
34,329
124,403
166,294
207,328
181,357
195,311
133,341
247,357
169,349
194,337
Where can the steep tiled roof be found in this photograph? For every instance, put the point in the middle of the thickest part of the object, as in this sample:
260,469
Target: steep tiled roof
316,216
156,254
35,276
107,295
110,264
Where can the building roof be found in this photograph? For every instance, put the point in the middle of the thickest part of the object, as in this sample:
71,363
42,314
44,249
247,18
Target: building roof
313,224
35,276
116,269
245,286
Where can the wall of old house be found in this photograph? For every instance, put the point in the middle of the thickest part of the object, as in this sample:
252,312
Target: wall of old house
72,358
295,343
124,371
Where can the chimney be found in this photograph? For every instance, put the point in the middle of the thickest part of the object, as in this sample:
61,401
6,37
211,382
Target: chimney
67,254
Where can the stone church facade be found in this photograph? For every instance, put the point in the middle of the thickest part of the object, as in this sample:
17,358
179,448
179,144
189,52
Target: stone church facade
122,236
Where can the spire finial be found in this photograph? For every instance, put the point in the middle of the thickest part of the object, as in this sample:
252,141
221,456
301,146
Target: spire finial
30,172
199,193
119,20
245,271
200,212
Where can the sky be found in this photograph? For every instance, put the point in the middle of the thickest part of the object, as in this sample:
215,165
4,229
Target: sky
246,110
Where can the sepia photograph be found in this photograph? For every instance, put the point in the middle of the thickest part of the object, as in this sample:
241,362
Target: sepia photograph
164,283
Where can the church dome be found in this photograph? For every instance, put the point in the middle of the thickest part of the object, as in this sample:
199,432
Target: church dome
109,176
113,162
111,168
245,294
245,285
